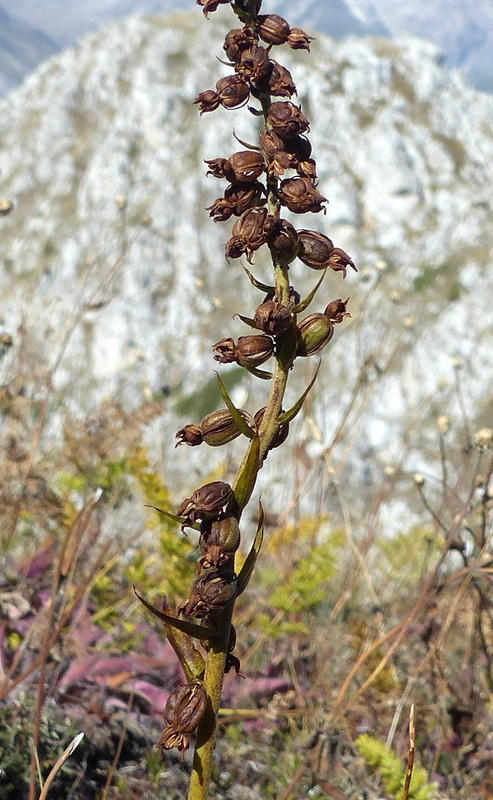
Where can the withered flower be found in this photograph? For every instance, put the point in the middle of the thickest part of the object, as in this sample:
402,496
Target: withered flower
189,434
315,249
274,150
336,310
300,195
280,82
207,101
211,592
339,261
225,351
299,40
286,119
206,502
314,332
183,712
250,232
283,242
272,28
238,197
232,91
241,167
272,318
282,431
236,41
254,64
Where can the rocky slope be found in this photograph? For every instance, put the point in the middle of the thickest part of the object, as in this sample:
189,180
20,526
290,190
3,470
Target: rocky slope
114,279
22,48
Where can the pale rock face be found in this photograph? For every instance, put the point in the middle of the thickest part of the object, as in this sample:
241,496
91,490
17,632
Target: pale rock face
118,278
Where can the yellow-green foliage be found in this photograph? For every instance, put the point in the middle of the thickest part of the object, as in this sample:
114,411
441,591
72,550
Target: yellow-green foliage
304,587
177,567
392,771
406,554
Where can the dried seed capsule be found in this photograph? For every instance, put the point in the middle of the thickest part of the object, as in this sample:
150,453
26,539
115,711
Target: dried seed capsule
183,712
283,242
314,332
238,198
282,431
190,434
236,41
336,310
272,318
286,119
211,592
272,28
254,65
206,502
219,427
250,232
339,261
299,40
315,249
207,101
219,540
280,83
232,91
300,196
254,350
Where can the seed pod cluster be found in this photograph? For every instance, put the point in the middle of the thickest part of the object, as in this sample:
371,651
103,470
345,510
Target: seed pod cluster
278,174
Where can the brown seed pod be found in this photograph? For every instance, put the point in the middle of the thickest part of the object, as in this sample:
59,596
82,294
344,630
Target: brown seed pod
183,712
238,198
232,91
219,427
299,40
254,350
219,540
206,502
314,332
272,318
272,28
254,65
300,195
283,242
211,592
315,249
238,40
286,119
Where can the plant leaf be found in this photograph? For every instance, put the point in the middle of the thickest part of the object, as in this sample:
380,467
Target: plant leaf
247,568
173,517
243,488
260,373
258,285
301,306
248,321
293,411
197,631
192,662
241,423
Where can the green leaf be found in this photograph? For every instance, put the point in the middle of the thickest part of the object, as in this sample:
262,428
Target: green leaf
260,373
243,488
197,631
301,306
247,568
258,285
173,517
241,423
294,410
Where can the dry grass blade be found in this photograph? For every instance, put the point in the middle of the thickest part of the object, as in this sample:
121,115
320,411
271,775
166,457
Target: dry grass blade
59,764
410,755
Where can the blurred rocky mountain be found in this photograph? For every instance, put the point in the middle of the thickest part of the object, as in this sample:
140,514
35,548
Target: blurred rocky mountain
114,282
22,48
462,29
